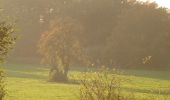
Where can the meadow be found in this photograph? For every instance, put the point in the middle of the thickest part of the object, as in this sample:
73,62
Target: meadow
29,82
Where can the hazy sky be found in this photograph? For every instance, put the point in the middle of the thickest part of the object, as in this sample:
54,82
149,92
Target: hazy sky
165,3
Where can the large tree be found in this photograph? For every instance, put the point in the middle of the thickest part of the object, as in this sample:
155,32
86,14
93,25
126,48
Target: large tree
60,47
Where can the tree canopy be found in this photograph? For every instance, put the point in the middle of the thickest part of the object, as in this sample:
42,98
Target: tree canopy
60,47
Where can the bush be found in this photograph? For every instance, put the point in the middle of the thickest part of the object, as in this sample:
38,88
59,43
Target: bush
106,85
100,85
7,40
2,85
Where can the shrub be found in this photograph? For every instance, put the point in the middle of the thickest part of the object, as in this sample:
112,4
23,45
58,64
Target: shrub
2,85
7,40
106,85
100,85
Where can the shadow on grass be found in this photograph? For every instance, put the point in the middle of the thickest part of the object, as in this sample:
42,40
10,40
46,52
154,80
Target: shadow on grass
24,68
25,71
152,91
31,72
70,81
25,75
154,74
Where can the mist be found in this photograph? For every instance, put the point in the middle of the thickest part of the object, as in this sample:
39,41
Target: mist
59,46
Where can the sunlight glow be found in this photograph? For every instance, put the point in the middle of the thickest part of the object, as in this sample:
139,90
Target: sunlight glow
163,3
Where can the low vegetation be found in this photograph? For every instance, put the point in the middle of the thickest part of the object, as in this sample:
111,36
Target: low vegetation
2,85
107,84
100,85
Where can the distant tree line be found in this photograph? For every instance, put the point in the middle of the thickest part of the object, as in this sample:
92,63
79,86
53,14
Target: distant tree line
115,32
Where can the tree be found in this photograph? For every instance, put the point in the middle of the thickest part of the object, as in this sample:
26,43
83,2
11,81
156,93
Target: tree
7,39
60,47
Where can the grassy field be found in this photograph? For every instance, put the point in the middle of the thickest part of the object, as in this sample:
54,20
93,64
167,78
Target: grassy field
29,82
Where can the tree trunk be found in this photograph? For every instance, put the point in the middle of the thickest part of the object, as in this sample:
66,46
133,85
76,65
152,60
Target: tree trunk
57,75
59,71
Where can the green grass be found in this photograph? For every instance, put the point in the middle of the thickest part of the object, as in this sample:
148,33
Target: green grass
29,82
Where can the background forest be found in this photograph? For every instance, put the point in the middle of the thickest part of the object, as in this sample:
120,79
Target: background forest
114,32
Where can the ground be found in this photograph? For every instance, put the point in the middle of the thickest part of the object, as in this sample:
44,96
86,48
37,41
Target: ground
29,82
